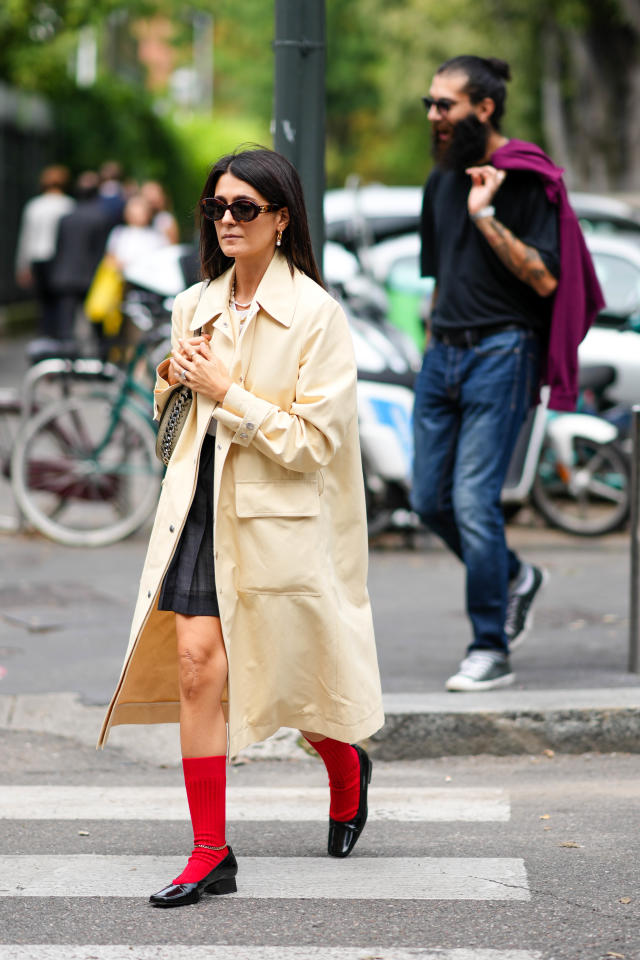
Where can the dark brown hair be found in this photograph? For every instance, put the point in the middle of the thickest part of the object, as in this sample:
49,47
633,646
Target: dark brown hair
486,77
273,176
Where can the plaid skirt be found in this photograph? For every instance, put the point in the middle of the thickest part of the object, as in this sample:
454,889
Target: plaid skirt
189,586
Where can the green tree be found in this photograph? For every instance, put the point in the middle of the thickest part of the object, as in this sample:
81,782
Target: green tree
576,65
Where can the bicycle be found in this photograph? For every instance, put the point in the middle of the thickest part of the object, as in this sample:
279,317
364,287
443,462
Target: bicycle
83,468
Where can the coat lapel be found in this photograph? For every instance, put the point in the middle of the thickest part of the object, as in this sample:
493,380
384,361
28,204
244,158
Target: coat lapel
277,298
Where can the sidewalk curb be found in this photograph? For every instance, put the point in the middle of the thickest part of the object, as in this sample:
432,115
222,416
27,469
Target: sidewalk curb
513,722
417,726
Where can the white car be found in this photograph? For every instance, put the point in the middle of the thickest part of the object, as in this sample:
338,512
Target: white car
359,216
614,339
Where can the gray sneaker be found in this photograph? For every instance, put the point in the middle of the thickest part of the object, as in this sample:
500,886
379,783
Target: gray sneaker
481,670
519,617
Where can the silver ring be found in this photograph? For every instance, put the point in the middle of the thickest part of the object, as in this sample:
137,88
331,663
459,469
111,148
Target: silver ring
184,374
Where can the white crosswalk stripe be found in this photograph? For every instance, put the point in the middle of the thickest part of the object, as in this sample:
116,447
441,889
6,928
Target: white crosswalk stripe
224,952
56,878
437,804
306,878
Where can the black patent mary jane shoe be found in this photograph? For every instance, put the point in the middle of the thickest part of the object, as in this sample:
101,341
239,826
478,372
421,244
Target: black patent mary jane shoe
343,835
222,879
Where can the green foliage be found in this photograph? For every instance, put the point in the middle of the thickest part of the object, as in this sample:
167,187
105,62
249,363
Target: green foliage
113,121
203,139
36,38
381,55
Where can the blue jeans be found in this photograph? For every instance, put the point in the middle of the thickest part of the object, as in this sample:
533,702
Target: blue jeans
469,406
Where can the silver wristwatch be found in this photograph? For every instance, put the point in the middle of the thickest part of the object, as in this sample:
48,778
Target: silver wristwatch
488,211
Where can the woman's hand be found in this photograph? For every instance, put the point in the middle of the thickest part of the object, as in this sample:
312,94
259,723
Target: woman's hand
195,365
173,373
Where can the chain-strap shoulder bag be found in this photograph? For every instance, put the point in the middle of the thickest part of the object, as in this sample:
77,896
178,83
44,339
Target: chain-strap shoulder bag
174,415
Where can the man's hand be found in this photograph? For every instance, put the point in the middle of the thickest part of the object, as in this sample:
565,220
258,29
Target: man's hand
485,183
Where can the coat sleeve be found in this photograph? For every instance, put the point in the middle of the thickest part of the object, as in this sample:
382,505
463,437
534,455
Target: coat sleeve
306,436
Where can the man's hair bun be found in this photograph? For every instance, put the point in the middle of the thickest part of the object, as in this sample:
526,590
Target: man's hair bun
500,67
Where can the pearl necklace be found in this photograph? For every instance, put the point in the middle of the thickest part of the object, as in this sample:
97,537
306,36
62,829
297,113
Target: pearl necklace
232,299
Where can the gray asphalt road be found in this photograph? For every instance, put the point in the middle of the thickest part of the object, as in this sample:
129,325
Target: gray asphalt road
64,614
569,824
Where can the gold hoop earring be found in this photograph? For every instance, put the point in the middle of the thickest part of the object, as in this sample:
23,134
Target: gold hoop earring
279,239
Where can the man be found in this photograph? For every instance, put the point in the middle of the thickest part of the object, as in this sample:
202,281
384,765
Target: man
82,238
490,237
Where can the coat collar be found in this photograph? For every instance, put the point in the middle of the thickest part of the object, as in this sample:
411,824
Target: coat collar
276,294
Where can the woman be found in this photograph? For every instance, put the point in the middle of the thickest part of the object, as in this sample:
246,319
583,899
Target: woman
256,569
136,237
163,220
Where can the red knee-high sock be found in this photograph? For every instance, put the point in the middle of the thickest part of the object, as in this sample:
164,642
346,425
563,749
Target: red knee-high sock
206,780
343,767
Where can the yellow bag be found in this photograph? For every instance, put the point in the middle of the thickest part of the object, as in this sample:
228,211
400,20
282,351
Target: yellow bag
105,297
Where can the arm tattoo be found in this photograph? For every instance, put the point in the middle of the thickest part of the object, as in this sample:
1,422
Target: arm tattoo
523,261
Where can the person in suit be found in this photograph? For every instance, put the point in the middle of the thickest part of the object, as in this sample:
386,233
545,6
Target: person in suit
81,242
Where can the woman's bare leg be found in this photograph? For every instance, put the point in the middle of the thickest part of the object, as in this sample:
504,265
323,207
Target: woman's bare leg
202,662
202,665
312,737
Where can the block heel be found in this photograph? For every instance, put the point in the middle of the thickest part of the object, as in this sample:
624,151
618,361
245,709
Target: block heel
221,880
221,887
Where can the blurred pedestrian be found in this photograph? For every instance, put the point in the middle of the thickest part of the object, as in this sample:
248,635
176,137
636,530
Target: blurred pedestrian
82,236
113,195
514,297
253,600
163,220
37,242
137,236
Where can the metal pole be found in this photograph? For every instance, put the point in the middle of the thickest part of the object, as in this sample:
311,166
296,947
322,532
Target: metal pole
300,101
634,611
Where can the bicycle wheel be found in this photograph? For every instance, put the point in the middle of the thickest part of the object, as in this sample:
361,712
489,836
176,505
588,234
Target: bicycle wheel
594,499
10,409
84,475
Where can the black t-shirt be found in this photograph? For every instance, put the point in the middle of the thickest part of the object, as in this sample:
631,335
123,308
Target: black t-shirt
474,287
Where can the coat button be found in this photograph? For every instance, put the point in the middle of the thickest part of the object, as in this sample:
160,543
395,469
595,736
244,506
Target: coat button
243,436
148,593
219,446
250,426
171,528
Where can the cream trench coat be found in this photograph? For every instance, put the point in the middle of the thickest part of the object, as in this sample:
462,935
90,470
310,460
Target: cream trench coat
290,537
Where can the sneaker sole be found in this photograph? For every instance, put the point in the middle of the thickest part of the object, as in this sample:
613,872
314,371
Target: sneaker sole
469,686
528,623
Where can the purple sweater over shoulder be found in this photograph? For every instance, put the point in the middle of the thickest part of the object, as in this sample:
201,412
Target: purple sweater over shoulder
578,297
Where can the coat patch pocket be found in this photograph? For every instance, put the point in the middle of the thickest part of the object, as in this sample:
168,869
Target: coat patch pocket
273,498
280,537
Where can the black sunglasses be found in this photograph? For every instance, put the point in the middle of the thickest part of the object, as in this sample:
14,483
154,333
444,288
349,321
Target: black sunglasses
243,211
442,106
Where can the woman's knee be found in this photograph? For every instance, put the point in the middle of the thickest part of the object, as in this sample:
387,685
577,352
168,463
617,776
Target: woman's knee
200,671
202,664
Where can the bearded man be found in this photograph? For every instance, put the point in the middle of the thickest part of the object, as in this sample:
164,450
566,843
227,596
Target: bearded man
515,293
